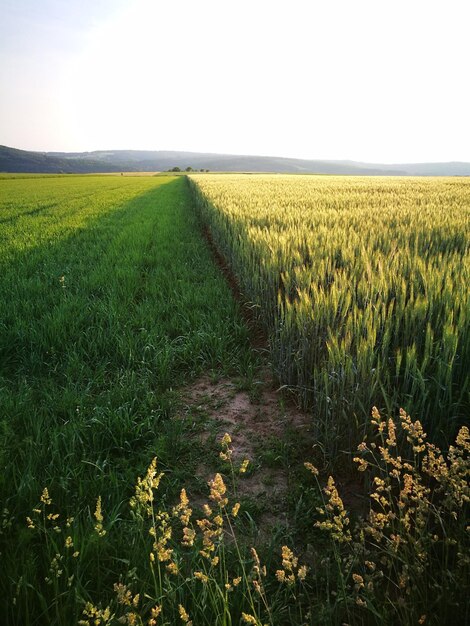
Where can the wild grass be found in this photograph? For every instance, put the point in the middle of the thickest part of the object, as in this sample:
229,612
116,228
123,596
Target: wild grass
406,562
363,287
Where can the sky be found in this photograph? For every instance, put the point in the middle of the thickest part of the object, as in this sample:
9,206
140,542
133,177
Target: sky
381,81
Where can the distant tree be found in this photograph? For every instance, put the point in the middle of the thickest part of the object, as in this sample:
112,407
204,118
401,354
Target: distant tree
175,169
189,169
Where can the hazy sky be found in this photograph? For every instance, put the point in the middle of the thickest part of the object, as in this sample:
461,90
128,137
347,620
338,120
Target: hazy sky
371,80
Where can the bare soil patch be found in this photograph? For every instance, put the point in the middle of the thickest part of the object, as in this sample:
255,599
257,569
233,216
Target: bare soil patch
259,427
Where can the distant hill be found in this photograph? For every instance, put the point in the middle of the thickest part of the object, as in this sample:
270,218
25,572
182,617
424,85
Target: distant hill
13,160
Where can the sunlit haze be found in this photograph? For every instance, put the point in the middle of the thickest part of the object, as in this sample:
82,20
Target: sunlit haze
367,80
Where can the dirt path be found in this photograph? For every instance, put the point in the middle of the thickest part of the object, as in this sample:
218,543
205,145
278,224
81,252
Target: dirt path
264,424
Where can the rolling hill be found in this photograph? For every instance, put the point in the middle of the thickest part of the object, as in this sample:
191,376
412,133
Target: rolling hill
13,160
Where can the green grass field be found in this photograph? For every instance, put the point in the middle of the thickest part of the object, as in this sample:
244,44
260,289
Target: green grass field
110,302
112,305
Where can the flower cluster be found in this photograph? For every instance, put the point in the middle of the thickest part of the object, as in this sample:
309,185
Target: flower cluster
291,569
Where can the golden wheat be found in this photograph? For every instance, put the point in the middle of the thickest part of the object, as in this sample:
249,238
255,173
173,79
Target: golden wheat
362,284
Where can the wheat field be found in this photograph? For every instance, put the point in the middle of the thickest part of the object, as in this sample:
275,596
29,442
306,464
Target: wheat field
362,284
